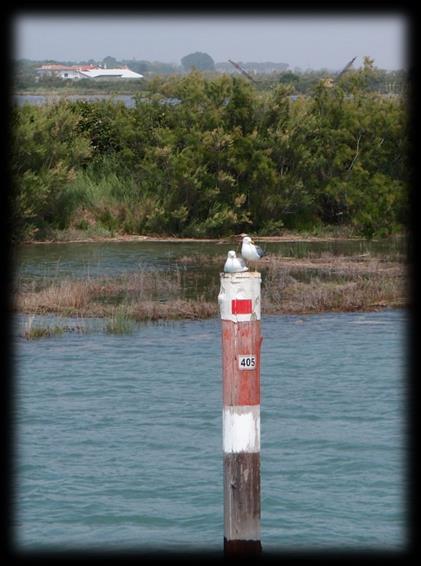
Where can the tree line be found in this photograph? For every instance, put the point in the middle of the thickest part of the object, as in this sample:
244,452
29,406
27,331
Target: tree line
202,156
300,81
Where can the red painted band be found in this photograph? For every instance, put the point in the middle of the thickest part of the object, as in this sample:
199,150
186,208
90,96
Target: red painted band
241,306
240,339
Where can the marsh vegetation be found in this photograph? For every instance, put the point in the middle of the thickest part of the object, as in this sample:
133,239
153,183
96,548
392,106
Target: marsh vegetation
290,285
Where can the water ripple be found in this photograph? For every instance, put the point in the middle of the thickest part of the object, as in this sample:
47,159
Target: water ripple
119,438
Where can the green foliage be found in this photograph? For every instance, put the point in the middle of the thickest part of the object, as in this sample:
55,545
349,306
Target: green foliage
211,156
46,151
110,62
119,323
288,77
199,61
303,82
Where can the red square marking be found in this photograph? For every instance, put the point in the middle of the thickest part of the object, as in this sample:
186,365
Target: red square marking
241,306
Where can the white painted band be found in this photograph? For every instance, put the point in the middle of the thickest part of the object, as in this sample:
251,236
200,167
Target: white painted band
239,286
241,428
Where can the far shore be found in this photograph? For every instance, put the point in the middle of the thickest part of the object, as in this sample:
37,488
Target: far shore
292,237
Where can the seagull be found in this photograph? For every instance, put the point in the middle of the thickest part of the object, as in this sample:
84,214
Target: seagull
249,250
234,264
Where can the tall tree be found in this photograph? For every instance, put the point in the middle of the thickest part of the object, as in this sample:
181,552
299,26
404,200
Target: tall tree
198,60
110,62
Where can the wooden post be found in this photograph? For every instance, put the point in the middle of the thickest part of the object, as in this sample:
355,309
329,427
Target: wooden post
239,301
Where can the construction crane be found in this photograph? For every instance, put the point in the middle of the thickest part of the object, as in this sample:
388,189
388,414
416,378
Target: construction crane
329,81
243,71
344,70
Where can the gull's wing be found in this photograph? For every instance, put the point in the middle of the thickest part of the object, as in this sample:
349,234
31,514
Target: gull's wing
259,251
242,264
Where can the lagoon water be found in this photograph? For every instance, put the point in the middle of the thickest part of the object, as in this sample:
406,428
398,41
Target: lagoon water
119,438
114,258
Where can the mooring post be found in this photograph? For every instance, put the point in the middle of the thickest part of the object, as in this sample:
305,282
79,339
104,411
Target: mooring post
239,302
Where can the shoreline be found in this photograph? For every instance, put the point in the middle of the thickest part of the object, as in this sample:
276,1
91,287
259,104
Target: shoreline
293,237
160,318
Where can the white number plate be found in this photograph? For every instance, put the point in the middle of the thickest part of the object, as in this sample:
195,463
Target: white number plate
246,362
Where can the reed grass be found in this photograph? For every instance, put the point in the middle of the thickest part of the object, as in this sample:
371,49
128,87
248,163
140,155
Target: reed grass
120,323
333,283
31,331
290,285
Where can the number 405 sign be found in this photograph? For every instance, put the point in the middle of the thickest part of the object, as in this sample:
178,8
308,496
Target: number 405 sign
246,362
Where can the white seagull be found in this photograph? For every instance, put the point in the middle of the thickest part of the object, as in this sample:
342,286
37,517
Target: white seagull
250,251
234,264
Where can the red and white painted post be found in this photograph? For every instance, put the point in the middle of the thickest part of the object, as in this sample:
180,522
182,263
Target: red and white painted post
239,301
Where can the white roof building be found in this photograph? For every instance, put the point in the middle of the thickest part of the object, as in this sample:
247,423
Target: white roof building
123,73
86,72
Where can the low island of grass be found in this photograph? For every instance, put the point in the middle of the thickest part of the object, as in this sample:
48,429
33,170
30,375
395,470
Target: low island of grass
326,283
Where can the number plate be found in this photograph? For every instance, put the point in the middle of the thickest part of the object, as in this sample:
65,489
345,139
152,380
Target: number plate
246,362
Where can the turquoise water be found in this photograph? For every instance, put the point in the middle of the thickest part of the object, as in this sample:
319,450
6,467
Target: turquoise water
119,438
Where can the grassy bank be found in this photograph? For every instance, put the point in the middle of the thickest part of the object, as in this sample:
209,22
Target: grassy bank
290,285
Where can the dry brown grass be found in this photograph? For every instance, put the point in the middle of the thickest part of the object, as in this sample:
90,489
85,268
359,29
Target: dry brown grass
290,285
333,283
66,295
147,296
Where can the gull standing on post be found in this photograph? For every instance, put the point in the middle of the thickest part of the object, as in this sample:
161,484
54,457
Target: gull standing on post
234,264
250,251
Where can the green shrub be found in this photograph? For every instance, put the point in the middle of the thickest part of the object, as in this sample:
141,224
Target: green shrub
209,156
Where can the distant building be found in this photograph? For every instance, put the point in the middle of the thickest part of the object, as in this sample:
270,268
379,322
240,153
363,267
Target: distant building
120,73
64,71
85,72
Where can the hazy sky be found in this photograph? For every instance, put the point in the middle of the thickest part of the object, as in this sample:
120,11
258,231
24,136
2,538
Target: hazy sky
305,41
